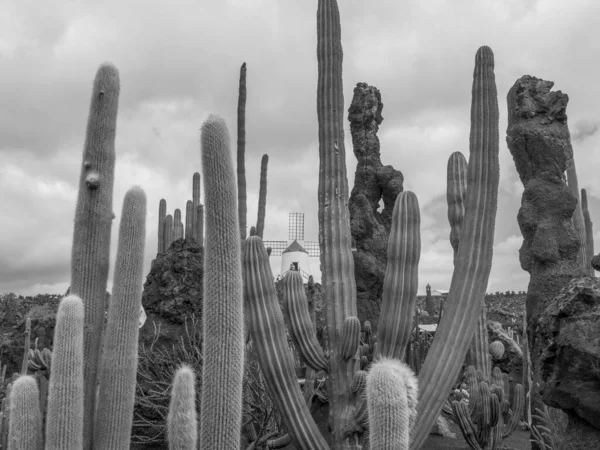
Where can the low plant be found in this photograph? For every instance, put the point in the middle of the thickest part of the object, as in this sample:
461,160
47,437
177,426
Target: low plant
547,434
156,366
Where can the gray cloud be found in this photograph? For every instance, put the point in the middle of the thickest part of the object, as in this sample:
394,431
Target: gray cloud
178,63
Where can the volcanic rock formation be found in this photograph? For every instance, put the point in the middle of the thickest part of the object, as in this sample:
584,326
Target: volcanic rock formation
570,359
539,141
173,292
373,182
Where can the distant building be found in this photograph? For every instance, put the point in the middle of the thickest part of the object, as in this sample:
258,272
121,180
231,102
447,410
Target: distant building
439,292
295,252
296,258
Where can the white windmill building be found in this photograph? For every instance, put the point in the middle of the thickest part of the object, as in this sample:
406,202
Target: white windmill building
296,253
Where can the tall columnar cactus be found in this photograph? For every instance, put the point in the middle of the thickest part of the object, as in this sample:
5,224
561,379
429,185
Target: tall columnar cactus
337,263
241,152
64,420
199,222
589,232
392,395
182,426
578,221
196,202
25,426
478,354
401,277
299,322
120,355
177,225
189,219
474,258
262,196
162,214
267,330
223,317
168,232
93,220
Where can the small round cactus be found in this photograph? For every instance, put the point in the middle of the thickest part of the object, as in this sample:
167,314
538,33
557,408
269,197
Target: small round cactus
497,350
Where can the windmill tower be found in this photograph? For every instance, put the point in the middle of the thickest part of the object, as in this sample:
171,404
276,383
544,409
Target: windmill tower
296,253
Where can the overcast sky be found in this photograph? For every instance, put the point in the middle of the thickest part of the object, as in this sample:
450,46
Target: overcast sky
180,60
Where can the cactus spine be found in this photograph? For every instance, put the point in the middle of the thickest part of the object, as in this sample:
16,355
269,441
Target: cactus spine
401,281
337,262
189,219
392,394
262,196
265,322
195,203
473,262
64,421
93,220
241,152
162,214
25,425
182,426
299,322
120,355
589,232
223,297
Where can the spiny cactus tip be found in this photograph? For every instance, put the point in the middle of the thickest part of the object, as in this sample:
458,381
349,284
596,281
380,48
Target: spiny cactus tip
185,371
25,383
484,55
137,191
72,300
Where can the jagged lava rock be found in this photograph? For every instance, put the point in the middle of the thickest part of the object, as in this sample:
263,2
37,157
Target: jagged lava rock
173,292
596,262
373,182
570,360
539,140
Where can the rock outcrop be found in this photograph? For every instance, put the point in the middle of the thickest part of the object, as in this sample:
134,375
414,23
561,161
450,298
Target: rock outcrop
539,141
173,292
570,359
373,182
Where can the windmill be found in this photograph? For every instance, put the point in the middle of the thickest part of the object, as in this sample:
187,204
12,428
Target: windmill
295,252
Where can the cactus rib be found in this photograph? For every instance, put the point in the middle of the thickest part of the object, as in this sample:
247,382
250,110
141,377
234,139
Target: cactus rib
471,273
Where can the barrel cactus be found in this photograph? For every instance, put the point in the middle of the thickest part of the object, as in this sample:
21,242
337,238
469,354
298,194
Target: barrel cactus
497,350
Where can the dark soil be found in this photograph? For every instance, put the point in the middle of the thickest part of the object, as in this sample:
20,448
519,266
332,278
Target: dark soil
519,440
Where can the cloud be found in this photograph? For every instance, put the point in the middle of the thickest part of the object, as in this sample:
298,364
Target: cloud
181,61
584,129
